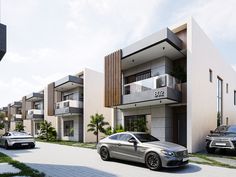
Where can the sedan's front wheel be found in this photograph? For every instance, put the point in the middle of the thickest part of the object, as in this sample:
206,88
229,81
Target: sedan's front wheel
153,161
104,153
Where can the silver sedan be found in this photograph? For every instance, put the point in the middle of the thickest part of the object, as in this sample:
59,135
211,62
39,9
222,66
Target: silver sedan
144,148
17,139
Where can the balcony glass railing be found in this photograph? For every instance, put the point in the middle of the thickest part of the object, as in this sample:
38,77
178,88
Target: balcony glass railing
17,116
35,112
69,103
156,82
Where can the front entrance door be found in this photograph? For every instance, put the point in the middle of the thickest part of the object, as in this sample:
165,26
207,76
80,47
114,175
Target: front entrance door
180,126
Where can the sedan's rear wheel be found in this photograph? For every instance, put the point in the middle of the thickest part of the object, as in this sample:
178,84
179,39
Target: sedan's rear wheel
6,145
153,161
104,153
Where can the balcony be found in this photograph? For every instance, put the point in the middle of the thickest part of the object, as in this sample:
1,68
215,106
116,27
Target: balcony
69,107
17,117
35,114
33,97
68,83
161,89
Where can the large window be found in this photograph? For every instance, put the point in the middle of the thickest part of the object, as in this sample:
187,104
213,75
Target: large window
137,77
136,123
219,101
234,97
210,75
69,128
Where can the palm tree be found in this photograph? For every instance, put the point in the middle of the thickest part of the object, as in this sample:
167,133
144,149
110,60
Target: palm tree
19,127
47,131
97,124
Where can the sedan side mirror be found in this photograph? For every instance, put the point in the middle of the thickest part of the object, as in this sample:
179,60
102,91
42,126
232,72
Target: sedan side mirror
132,140
211,131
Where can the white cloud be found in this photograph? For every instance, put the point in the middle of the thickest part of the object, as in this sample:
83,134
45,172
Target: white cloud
234,67
216,17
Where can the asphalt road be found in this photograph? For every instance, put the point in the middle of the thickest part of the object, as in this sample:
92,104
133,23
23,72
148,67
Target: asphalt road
66,161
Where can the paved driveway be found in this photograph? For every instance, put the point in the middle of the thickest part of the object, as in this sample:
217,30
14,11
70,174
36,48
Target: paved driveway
65,161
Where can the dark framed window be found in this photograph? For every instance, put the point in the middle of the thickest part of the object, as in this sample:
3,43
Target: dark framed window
234,97
210,75
69,128
137,77
227,88
219,101
136,123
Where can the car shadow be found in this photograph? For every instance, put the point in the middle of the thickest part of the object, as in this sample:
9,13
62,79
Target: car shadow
189,168
69,170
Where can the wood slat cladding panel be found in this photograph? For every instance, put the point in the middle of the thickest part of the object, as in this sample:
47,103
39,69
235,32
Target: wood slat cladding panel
23,109
51,99
113,79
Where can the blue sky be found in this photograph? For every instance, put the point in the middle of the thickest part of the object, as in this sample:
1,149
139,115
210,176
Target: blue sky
50,39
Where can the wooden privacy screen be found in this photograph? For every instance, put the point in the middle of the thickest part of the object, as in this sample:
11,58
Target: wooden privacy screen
113,79
23,108
51,99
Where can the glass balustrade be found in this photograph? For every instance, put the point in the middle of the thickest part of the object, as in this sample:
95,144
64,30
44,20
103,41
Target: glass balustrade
156,82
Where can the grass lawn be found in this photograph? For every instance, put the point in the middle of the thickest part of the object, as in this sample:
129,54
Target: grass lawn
208,161
71,143
25,170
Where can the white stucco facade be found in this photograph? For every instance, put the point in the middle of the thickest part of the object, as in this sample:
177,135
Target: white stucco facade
201,93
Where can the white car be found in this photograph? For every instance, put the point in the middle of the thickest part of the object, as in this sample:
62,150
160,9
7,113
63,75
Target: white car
17,139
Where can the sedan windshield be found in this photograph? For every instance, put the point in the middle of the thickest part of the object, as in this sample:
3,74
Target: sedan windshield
19,133
145,137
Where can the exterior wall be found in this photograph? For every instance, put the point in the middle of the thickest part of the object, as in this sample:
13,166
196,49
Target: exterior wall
76,128
53,119
157,66
12,125
201,95
28,123
94,101
159,120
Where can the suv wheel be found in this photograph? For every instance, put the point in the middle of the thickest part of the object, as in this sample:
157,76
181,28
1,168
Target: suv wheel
210,150
153,161
104,153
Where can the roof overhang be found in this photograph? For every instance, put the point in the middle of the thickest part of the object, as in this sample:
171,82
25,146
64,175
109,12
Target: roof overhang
16,104
68,83
34,97
163,43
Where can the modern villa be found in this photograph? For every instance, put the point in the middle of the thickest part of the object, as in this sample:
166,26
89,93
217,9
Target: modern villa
70,101
176,81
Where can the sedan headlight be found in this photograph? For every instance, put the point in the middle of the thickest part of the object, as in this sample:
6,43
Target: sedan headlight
168,153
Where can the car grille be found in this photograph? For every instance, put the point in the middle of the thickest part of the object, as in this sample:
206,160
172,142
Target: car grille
182,153
219,143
